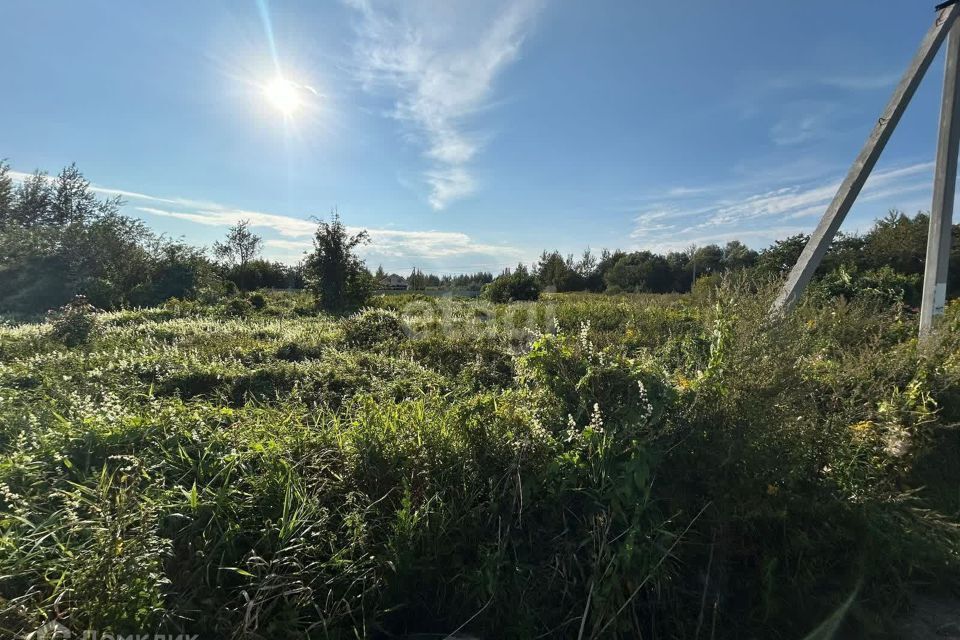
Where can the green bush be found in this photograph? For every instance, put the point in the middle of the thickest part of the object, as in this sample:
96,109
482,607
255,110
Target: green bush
239,307
706,286
258,301
373,327
297,352
475,361
73,324
882,286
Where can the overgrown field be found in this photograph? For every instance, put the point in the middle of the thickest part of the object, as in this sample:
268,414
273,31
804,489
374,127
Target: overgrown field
581,467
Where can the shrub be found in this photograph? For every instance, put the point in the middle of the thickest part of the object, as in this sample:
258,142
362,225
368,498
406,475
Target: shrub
706,286
883,286
298,352
475,361
584,379
373,327
239,307
74,323
258,301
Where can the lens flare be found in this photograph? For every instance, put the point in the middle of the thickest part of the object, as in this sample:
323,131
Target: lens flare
283,95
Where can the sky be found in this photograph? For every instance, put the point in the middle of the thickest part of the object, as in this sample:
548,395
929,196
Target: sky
466,135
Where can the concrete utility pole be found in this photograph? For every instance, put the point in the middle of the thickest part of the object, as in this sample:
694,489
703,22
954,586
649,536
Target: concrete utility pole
944,186
819,242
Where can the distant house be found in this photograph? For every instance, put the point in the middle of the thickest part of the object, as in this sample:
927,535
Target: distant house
393,282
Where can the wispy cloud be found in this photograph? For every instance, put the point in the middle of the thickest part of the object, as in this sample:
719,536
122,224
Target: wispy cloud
847,81
411,245
394,246
224,217
389,243
766,214
804,121
20,176
862,82
440,69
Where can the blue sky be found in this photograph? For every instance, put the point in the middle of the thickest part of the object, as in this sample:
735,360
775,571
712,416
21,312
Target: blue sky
471,135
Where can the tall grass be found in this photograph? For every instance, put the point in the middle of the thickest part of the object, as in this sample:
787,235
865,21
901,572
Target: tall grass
581,467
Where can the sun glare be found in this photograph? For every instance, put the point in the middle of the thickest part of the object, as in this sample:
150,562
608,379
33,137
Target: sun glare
283,95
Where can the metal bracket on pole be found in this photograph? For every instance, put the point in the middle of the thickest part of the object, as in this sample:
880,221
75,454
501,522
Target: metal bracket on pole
820,241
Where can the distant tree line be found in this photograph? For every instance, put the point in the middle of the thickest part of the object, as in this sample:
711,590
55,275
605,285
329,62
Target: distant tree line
59,239
420,281
890,256
239,264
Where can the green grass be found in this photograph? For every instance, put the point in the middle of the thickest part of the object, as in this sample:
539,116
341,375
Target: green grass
585,466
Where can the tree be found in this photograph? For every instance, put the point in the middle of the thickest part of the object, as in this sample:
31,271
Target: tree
178,271
518,284
338,278
240,246
71,199
898,241
260,274
641,271
737,255
598,279
417,281
679,264
238,249
468,281
6,193
58,240
32,201
589,269
780,258
558,274
845,250
708,259
587,264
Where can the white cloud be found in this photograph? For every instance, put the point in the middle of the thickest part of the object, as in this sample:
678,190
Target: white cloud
433,244
403,246
431,248
799,201
803,121
686,191
765,215
862,82
449,184
386,242
847,80
650,221
790,131
439,62
218,216
20,176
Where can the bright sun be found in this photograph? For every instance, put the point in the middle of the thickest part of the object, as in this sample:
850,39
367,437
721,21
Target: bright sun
284,95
